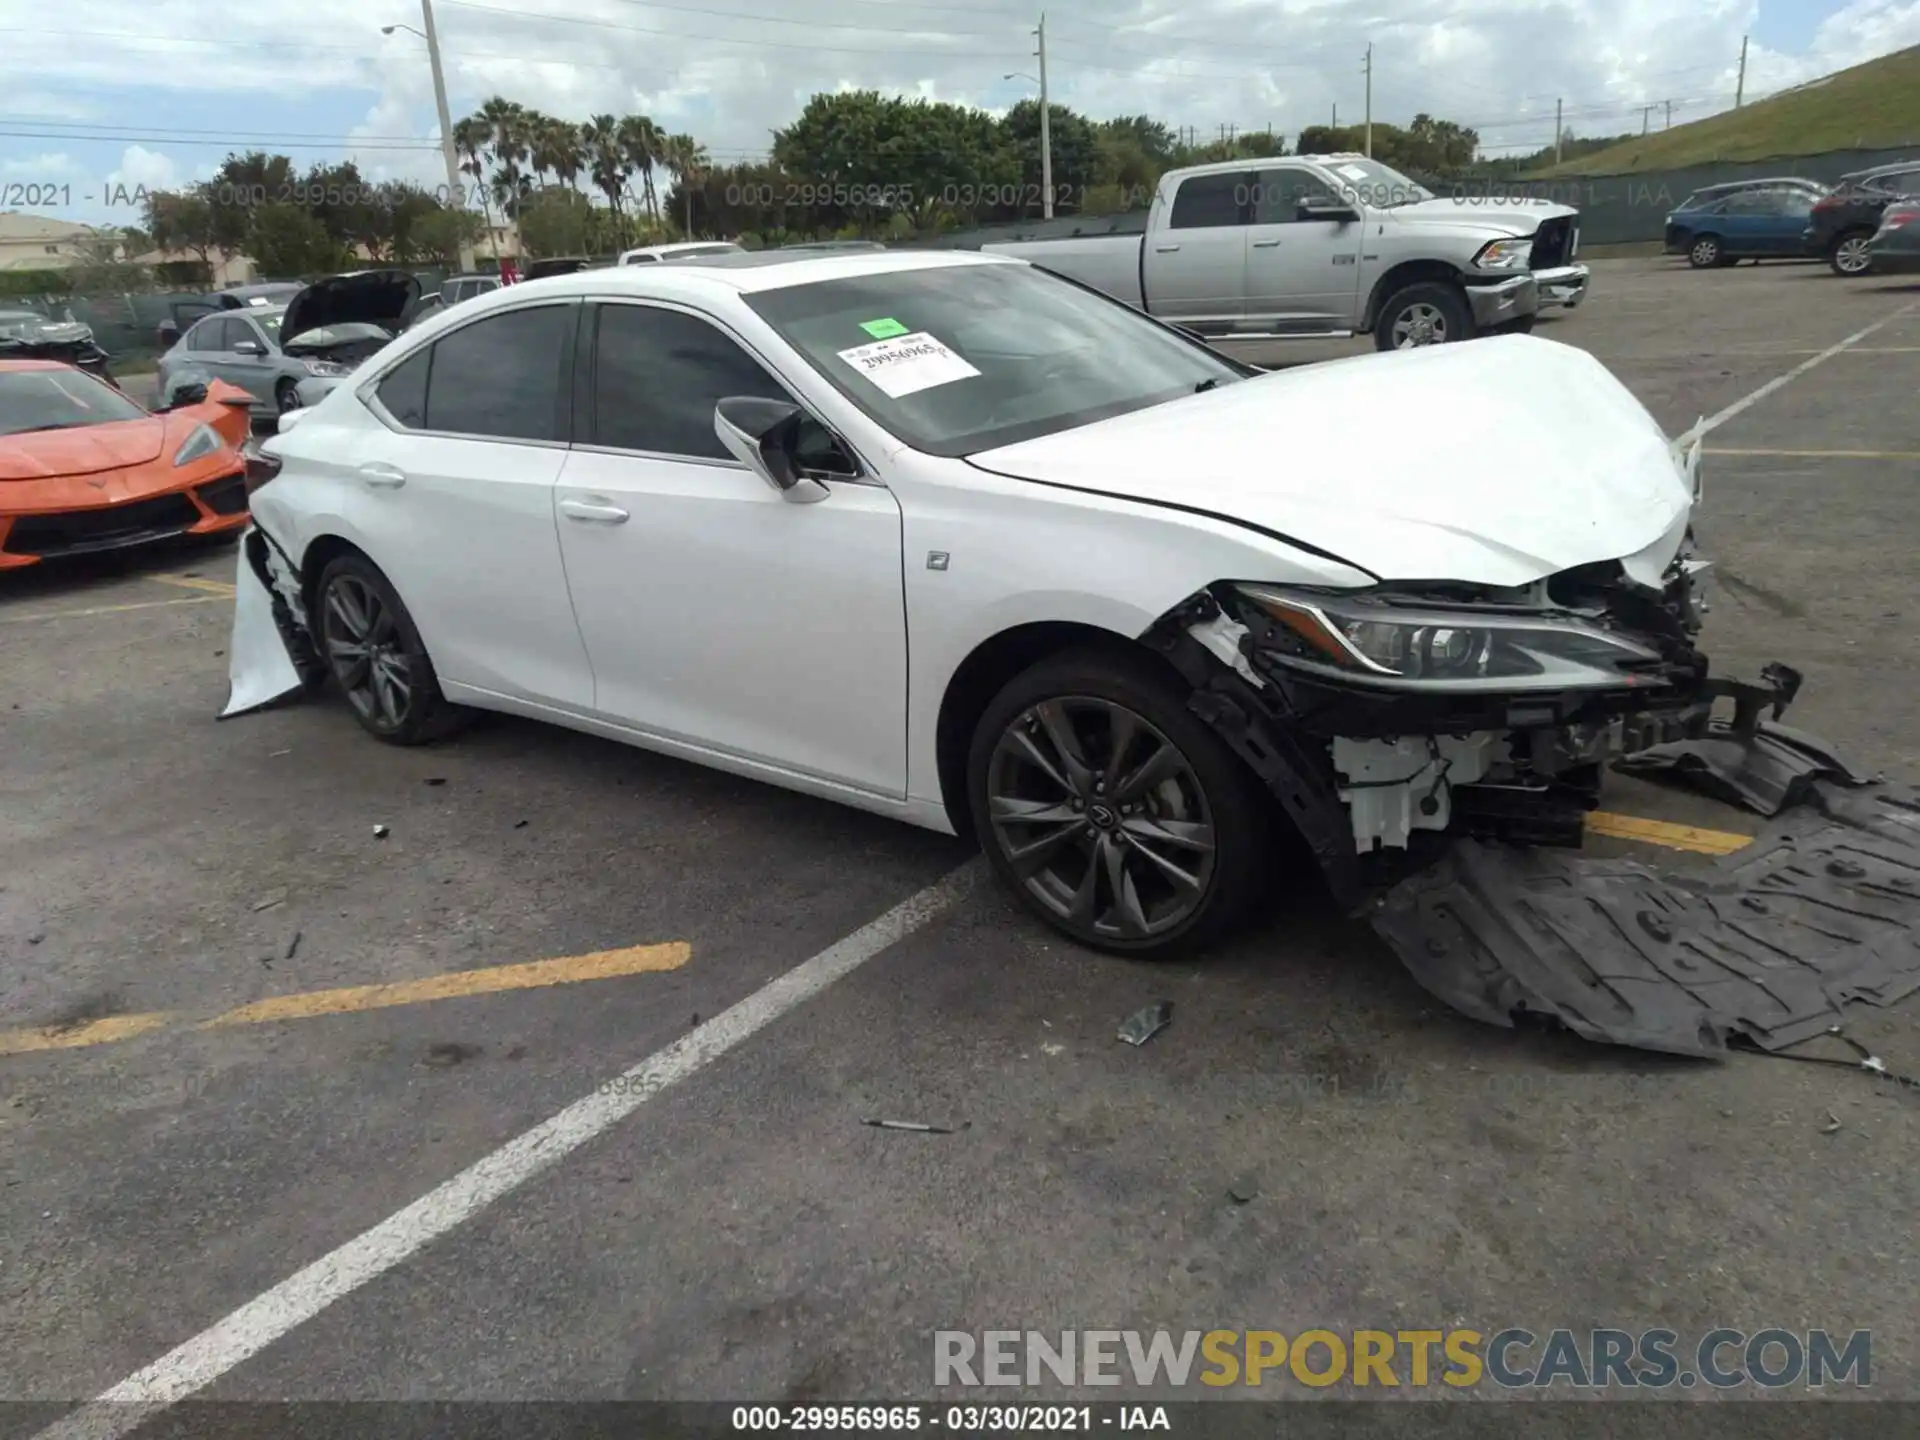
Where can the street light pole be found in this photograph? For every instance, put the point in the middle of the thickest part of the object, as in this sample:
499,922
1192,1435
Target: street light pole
1046,129
456,191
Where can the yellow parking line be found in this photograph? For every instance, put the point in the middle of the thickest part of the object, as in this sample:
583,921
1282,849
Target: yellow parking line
1660,832
71,1037
567,970
110,609
1822,454
194,582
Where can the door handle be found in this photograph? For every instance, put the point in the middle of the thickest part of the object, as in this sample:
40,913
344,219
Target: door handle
1165,249
593,514
386,477
1265,244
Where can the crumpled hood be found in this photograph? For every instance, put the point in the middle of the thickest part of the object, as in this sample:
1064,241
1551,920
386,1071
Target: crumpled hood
370,297
1495,462
83,450
1514,217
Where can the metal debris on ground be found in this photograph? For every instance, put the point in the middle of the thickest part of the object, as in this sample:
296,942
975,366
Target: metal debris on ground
269,900
1769,770
380,832
435,780
913,1125
1143,1025
293,944
1242,1191
1769,947
1833,1124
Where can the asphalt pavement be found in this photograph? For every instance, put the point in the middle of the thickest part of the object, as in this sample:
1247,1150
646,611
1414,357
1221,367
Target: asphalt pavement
1312,1143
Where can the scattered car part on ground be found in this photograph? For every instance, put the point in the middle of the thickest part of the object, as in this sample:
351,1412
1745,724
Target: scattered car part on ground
1135,644
1764,767
83,469
1141,1026
1746,220
1841,226
1769,948
1311,246
29,335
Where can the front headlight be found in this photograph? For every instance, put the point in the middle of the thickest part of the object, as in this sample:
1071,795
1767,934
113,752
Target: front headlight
327,367
204,441
1505,254
1371,640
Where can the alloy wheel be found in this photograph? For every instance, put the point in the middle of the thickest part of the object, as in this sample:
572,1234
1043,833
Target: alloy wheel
365,651
1420,324
1854,256
288,398
1705,253
1101,818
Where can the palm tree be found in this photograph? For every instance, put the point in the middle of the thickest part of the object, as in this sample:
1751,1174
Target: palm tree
471,139
507,124
689,162
606,161
566,156
640,142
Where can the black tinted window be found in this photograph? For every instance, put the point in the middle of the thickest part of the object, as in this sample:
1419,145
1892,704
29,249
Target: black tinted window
500,376
657,376
404,392
1211,200
1277,194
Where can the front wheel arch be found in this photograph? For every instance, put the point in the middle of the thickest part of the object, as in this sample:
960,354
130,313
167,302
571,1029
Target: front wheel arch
1410,272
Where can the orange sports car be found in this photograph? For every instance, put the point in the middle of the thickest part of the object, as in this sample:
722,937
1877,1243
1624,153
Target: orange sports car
84,469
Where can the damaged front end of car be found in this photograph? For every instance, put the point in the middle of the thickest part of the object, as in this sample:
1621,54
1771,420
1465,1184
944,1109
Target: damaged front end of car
1439,747
271,656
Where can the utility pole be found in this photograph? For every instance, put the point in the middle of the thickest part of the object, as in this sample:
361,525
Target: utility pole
1336,114
455,190
1740,92
1669,114
1559,129
1646,119
1046,127
1369,98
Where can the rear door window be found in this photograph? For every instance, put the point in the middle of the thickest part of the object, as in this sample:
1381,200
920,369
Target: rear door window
1212,201
501,376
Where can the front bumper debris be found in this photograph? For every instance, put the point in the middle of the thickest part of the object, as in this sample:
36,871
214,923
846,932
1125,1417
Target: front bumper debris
1565,286
1503,302
270,658
1767,768
1769,948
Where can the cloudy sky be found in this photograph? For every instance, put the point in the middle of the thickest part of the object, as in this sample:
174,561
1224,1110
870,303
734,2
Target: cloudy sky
155,92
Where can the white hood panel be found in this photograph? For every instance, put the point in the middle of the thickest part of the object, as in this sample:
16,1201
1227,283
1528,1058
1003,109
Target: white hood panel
1496,462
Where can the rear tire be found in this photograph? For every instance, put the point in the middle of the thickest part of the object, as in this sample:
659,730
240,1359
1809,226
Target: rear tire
372,649
1704,252
1152,852
1851,256
1429,313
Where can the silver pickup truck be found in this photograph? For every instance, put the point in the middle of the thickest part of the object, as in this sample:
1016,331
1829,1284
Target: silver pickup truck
1309,246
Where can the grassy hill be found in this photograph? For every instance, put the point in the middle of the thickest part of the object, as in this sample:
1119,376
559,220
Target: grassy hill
1868,107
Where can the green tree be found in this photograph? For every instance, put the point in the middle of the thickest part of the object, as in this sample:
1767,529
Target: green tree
286,240
559,221
436,234
640,141
1076,154
606,164
182,220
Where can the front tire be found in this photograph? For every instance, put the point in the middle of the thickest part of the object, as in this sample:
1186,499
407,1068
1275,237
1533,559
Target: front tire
1112,811
286,397
1420,315
373,651
1705,252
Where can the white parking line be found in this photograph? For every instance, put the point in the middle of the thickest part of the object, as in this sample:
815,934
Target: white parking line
257,1324
1714,422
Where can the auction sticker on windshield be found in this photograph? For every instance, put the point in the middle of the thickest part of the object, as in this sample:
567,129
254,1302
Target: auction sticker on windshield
907,364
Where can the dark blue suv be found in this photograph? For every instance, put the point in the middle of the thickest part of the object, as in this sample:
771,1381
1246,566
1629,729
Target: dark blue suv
1743,220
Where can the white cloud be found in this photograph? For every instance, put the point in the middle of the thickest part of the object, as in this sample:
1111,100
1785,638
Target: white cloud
45,167
731,70
144,168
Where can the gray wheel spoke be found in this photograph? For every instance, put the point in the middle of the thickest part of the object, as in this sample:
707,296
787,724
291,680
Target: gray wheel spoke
1163,764
1009,810
1126,729
397,679
345,606
1059,727
1184,834
1027,859
1040,759
1181,880
1126,897
1086,896
346,649
380,629
384,697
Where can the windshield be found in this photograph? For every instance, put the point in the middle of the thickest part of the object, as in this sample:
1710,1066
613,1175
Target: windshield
269,321
1380,186
59,400
965,358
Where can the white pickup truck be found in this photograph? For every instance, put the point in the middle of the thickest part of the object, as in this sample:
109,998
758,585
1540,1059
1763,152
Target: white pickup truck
1310,246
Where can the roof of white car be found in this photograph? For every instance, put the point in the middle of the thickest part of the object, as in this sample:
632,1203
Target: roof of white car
745,273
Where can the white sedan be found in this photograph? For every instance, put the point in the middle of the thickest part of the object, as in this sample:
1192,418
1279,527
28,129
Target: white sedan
948,538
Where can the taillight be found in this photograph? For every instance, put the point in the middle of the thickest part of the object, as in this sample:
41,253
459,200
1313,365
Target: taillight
261,469
1832,202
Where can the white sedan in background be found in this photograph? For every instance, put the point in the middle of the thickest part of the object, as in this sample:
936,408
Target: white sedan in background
948,538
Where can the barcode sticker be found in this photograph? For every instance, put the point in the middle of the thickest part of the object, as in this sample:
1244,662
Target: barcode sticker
907,364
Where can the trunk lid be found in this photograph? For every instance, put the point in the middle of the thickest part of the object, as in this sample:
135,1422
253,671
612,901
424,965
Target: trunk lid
1496,462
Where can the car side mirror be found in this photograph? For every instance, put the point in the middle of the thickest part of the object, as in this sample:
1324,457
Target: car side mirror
1327,210
249,347
185,395
764,436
